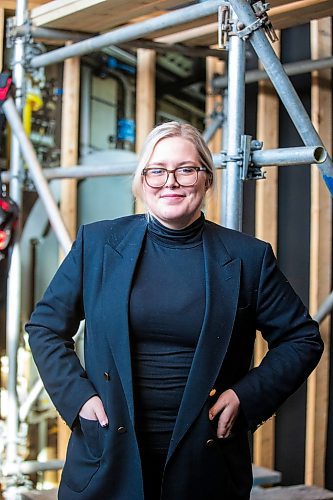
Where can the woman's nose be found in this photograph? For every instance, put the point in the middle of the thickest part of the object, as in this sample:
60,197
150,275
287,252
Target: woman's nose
172,181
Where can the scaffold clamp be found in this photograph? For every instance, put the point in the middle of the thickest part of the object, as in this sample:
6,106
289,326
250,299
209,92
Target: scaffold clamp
260,9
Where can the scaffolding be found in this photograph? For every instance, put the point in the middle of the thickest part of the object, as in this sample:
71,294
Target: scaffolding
242,157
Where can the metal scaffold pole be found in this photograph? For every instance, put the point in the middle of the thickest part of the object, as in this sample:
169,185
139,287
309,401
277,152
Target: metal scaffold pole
13,326
235,128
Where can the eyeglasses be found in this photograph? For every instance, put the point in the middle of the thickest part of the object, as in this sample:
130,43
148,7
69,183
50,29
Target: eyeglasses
157,177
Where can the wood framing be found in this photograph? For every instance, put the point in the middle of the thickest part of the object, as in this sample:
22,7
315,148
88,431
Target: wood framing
266,229
69,139
213,103
69,157
320,257
145,99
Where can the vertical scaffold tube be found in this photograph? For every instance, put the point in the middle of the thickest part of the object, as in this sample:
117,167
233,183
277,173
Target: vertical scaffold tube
235,129
14,277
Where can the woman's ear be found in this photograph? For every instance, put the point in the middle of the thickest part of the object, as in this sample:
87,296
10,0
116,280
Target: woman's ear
209,181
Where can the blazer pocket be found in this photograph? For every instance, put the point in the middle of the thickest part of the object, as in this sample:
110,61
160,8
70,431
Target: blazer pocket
83,455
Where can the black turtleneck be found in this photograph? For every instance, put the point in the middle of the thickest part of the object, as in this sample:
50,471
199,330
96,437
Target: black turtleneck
166,313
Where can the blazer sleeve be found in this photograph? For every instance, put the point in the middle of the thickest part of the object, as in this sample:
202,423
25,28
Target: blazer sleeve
51,328
294,346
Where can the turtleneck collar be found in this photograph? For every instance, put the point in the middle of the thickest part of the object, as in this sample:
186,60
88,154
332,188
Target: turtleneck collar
190,236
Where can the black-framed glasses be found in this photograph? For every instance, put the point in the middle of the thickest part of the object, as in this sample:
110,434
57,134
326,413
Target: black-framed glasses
157,177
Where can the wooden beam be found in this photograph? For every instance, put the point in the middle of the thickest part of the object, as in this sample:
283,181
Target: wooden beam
2,36
320,257
214,102
282,16
145,100
266,229
69,157
69,139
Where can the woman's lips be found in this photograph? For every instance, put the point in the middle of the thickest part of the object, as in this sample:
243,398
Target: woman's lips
173,196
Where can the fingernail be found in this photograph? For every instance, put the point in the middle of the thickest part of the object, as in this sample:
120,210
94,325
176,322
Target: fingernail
104,424
211,416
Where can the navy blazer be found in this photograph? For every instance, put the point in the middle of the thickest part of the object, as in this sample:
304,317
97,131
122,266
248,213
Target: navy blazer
245,292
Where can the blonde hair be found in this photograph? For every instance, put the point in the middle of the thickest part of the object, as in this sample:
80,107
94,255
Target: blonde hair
164,131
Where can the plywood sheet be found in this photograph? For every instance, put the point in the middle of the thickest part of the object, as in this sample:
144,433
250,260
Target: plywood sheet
11,4
96,15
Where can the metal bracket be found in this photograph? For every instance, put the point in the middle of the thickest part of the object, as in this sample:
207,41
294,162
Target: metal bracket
260,9
224,26
248,170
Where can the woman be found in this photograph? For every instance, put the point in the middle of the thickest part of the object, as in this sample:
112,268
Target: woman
171,303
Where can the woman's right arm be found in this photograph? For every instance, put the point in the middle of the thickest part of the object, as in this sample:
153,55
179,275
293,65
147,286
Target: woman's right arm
51,328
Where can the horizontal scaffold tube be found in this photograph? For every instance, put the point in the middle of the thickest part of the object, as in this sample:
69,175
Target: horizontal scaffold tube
127,33
281,157
289,156
31,466
295,68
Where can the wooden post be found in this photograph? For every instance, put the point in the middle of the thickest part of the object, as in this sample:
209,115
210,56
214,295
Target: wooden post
2,34
69,157
213,102
320,257
145,100
266,229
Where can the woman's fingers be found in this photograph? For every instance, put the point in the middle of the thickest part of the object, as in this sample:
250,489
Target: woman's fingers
227,406
93,409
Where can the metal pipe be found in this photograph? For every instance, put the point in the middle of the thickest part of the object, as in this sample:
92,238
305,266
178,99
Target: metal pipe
236,105
31,398
36,171
224,177
325,309
213,126
31,466
283,86
50,33
13,324
280,157
85,110
294,68
289,156
127,33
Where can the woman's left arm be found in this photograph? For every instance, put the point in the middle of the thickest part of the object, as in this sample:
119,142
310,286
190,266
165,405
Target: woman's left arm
294,344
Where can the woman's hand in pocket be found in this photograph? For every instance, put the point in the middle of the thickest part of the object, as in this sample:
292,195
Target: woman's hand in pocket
226,410
93,409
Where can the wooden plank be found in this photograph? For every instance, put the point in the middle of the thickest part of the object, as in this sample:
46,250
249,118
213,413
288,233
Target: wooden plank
267,229
11,4
284,16
2,36
96,15
69,157
145,100
214,102
320,257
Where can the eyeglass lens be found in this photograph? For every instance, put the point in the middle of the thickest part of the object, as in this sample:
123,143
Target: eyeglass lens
185,176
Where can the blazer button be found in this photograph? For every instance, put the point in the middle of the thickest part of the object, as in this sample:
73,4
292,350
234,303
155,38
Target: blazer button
121,430
212,393
210,442
106,376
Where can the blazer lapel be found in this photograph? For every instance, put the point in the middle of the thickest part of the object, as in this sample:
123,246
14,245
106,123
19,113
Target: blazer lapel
222,276
119,263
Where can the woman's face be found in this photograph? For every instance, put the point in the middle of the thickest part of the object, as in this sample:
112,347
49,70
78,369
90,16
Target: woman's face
173,205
